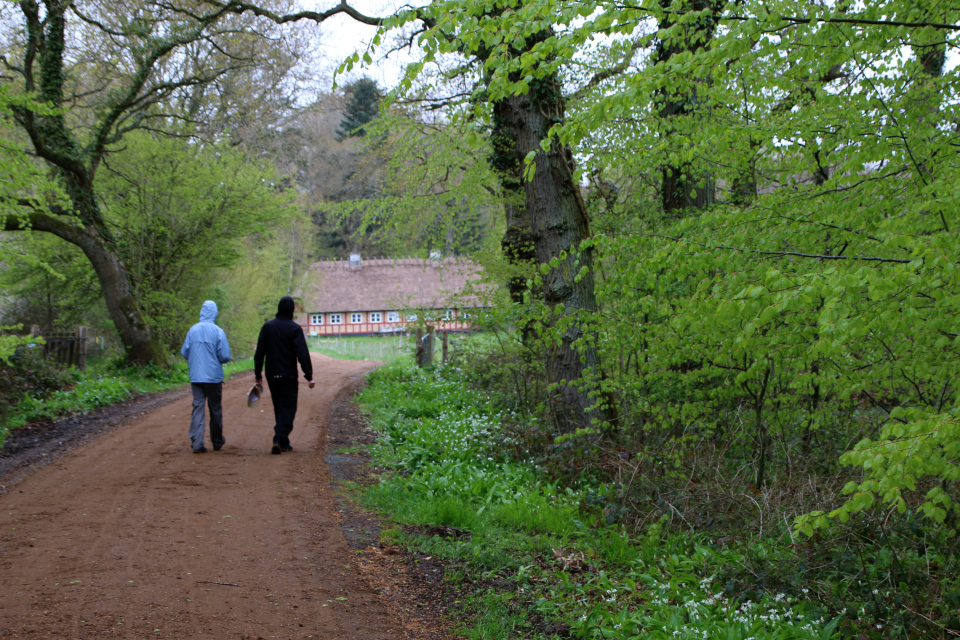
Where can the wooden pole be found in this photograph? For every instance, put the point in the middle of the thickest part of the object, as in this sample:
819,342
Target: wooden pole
419,350
445,341
428,341
82,346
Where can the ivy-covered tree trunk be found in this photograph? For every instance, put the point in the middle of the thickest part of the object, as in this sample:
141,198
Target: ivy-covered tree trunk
518,242
558,226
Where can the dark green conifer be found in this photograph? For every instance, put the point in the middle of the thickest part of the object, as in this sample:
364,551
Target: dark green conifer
362,107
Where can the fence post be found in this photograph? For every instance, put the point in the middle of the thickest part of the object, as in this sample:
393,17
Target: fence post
428,341
445,340
82,346
427,350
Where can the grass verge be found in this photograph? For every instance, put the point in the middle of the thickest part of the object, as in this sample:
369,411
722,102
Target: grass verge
99,385
533,559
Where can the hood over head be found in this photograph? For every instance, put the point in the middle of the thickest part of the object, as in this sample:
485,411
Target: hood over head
285,308
208,313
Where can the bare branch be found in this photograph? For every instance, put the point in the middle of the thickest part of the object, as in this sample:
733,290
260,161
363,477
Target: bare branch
139,79
318,17
435,104
96,23
9,66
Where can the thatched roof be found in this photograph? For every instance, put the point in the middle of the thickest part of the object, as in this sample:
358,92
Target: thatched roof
387,284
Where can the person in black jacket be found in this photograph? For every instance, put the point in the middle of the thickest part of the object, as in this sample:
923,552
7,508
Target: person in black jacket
282,343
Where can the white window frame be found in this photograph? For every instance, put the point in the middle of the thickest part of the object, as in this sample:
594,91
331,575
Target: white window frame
448,315
393,316
356,318
376,317
336,318
411,317
316,318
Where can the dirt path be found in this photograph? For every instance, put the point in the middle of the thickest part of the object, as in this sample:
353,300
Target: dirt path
126,536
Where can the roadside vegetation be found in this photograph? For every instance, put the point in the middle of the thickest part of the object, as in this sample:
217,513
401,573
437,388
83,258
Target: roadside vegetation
36,390
547,512
536,556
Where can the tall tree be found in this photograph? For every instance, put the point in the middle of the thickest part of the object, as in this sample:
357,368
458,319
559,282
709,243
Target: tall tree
558,220
93,106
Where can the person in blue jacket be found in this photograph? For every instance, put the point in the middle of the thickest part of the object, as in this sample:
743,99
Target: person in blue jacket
206,349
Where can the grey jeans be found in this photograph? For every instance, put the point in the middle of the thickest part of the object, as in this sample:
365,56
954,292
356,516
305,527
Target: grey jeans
212,393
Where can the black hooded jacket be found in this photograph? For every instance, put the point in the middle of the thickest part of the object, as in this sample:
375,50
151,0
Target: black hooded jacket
282,343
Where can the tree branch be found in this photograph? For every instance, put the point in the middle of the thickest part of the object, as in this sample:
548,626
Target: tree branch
31,14
615,70
9,66
857,21
318,17
778,254
946,26
38,220
139,79
96,23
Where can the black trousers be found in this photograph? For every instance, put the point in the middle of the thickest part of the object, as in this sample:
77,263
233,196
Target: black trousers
283,391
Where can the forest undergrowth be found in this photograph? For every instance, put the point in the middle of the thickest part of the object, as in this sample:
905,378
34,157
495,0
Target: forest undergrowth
551,539
688,451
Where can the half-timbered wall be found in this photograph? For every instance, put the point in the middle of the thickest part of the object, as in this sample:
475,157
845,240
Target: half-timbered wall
364,322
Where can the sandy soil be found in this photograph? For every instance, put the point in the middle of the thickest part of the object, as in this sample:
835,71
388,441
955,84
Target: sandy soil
129,535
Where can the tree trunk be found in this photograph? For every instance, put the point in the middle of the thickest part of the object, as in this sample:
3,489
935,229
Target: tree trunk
558,226
121,301
518,242
682,188
44,72
682,185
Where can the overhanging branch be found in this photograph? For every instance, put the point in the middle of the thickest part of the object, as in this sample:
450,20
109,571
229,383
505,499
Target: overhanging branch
316,16
39,220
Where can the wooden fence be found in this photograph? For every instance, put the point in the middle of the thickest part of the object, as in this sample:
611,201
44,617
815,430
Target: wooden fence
67,348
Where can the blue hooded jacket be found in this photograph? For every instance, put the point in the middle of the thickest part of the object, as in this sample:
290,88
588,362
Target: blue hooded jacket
206,347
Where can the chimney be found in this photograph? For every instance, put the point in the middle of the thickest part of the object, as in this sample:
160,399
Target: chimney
355,262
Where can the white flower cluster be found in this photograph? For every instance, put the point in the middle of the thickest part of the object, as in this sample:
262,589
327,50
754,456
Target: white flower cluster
706,612
462,432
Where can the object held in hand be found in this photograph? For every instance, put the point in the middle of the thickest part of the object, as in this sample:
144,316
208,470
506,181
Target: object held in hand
253,396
